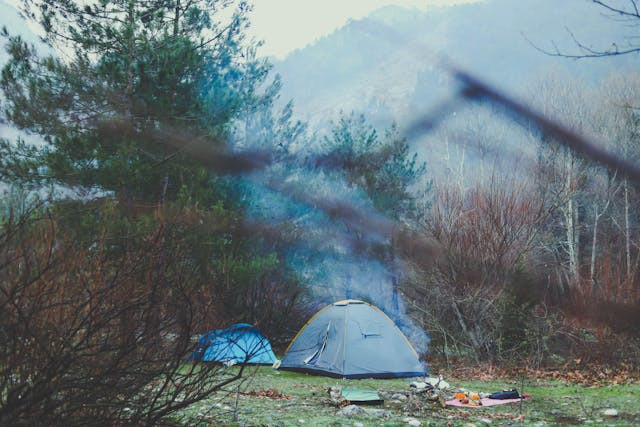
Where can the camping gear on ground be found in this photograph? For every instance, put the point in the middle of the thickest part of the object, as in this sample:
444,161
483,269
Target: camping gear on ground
362,397
485,401
474,399
471,399
240,343
505,394
352,339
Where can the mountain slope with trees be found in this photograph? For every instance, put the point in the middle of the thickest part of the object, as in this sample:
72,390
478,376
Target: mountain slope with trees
384,65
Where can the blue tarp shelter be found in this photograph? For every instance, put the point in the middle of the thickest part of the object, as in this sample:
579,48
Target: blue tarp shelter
240,343
352,339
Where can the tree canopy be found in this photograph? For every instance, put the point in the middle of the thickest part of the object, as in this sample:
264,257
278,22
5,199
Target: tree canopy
134,82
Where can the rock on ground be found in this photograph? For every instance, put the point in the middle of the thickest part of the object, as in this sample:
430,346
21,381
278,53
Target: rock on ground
412,421
438,383
399,396
420,385
377,412
351,410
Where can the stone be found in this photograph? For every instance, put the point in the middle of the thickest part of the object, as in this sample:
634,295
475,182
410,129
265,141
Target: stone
419,385
351,410
399,396
412,421
610,412
438,383
377,412
485,420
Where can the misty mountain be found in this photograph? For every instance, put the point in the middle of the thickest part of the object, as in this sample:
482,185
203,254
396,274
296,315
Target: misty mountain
384,65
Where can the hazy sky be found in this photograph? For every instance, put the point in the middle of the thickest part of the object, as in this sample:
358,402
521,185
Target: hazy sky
286,25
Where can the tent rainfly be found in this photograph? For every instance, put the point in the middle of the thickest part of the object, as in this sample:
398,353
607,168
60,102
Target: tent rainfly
352,339
240,343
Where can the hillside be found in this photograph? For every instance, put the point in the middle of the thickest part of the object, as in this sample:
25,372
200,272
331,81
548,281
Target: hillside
383,64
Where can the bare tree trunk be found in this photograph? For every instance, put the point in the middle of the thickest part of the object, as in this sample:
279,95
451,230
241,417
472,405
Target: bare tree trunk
472,337
571,218
576,239
626,229
592,266
596,218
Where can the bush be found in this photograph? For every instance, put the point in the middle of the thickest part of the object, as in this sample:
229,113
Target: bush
94,339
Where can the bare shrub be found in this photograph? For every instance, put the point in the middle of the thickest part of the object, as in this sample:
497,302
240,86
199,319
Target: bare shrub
486,235
94,339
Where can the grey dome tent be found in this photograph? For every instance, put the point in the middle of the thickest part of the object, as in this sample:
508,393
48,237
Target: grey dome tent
352,339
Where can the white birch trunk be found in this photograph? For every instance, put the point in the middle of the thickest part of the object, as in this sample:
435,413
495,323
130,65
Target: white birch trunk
571,218
626,229
594,240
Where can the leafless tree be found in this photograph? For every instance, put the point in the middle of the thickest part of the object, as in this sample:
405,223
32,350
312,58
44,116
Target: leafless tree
485,233
90,336
626,12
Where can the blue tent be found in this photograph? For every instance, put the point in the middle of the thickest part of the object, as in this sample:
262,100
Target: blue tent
240,343
352,339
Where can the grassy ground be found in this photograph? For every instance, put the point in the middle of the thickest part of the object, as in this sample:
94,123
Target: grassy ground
306,402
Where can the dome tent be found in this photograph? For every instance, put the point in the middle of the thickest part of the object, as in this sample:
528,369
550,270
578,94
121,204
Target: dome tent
240,343
352,339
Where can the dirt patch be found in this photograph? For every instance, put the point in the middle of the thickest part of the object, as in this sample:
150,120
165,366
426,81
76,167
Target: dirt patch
565,419
269,393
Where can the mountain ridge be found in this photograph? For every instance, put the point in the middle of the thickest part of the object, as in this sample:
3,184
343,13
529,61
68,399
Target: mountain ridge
370,72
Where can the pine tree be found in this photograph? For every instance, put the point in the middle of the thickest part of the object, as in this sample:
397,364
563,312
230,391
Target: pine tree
134,83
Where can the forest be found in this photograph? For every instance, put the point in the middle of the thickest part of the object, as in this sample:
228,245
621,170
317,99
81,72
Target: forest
158,183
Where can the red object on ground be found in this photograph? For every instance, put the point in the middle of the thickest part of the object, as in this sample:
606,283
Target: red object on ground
485,402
